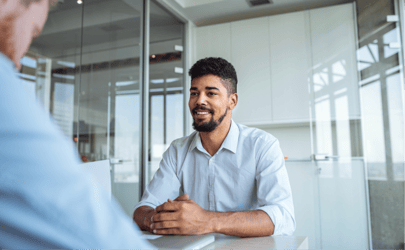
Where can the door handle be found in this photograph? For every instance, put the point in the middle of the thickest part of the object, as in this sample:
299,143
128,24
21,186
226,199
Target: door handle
324,157
118,161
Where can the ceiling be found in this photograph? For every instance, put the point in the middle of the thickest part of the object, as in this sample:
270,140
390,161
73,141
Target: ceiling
97,22
208,12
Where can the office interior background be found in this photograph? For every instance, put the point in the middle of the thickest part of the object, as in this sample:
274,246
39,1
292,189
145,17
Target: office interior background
324,77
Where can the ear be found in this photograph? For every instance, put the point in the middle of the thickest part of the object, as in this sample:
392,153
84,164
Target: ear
233,101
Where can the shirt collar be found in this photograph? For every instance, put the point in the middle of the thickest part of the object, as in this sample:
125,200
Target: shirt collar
230,142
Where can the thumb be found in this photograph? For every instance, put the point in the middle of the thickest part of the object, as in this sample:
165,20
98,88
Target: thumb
184,197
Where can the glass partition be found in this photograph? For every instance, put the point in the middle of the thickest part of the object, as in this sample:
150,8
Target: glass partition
380,66
53,61
166,84
85,69
109,101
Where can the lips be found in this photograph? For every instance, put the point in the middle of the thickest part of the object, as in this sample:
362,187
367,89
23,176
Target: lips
202,111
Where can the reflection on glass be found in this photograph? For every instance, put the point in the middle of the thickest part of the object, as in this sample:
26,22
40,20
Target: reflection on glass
396,121
343,127
175,116
51,65
367,55
391,36
166,86
323,126
157,132
336,133
381,81
28,74
338,71
373,129
126,138
63,107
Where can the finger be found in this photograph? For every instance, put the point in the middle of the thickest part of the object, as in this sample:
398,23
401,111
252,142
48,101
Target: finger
183,197
166,216
171,231
172,206
165,225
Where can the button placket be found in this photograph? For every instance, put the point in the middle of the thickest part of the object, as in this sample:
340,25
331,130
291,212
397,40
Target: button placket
211,184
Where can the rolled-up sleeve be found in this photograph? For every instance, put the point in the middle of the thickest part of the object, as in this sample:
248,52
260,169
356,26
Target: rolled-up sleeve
273,187
165,183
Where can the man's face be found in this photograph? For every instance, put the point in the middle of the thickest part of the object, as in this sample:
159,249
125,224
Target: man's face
209,102
19,25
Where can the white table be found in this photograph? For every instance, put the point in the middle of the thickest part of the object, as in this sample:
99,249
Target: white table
269,242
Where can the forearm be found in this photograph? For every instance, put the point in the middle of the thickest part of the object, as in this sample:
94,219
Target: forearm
243,224
142,217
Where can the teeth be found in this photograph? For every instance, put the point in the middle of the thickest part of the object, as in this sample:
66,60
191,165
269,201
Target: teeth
202,113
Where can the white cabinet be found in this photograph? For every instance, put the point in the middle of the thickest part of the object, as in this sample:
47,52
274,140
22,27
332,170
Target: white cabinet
290,61
213,41
281,59
250,57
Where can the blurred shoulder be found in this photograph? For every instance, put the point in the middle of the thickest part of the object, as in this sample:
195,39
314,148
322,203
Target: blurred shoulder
255,135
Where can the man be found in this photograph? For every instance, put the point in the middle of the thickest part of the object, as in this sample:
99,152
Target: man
46,199
234,176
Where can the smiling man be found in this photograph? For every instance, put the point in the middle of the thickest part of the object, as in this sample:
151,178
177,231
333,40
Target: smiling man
233,177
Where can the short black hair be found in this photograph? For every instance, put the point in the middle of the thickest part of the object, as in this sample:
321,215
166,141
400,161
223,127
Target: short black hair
219,67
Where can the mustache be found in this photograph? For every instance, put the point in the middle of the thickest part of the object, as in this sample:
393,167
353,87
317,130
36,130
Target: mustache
202,108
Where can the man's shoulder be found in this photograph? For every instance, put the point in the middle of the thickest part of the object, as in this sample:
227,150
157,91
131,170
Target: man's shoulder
184,142
254,135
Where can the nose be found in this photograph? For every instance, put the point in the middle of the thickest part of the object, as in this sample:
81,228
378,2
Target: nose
202,99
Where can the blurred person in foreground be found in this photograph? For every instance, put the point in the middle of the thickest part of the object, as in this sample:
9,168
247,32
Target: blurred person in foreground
46,199
233,177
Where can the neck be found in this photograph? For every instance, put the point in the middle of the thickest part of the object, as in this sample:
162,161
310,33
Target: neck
7,44
212,141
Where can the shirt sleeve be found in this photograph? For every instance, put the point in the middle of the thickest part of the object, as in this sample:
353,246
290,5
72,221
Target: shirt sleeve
165,183
273,188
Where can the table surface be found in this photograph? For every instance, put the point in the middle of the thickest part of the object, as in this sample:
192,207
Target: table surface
269,242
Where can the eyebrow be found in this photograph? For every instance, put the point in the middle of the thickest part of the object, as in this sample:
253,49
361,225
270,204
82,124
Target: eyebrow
209,88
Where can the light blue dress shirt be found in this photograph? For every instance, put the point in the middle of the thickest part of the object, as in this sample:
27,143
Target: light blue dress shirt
46,199
247,173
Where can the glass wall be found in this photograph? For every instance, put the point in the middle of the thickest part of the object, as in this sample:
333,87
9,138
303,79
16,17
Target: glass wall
380,67
85,69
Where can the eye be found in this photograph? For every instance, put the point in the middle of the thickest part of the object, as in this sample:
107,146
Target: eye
212,93
193,93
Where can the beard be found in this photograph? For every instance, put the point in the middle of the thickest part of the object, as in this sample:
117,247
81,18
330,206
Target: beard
7,46
211,125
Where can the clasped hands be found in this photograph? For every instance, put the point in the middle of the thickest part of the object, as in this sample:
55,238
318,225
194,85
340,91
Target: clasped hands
181,216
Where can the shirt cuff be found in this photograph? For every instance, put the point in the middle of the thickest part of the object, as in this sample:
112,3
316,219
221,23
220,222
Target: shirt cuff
273,211
144,203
